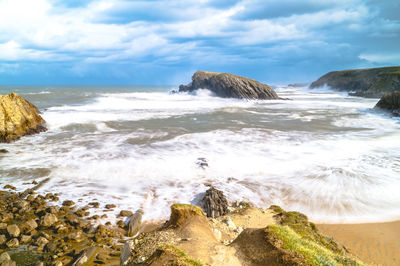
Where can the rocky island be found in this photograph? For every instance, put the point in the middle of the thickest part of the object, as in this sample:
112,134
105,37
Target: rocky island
371,83
229,86
18,118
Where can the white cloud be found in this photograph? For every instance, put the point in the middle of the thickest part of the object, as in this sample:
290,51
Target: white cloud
382,58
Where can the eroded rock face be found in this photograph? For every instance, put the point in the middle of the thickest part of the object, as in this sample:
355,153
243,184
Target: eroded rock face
229,86
18,118
215,203
390,102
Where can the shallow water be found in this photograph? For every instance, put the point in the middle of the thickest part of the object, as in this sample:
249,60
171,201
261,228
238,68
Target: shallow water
322,153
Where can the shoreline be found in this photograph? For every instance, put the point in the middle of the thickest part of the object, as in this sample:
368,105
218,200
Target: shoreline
376,243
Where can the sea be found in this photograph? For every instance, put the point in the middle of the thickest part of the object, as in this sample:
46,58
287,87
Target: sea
322,152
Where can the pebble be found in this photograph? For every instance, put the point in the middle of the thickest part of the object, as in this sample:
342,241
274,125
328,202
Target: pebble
13,243
13,230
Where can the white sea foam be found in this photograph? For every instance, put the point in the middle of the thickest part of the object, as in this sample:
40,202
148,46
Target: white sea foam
335,160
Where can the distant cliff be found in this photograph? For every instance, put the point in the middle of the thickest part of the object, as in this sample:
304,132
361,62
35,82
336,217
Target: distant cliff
229,86
372,82
18,118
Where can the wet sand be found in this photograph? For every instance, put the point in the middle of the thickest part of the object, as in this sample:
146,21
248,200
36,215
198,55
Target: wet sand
377,243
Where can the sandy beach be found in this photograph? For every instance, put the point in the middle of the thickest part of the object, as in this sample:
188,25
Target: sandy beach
376,243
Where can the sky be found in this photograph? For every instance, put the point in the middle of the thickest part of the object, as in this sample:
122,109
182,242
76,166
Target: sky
122,42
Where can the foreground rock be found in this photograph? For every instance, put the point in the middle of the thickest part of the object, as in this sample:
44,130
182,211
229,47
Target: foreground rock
372,83
390,103
246,236
18,118
32,230
229,86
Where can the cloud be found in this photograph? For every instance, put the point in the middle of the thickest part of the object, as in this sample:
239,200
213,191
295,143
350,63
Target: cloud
243,36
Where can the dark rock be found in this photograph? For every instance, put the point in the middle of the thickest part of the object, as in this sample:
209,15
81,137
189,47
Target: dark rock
10,187
68,203
229,86
125,213
215,203
94,204
390,103
3,151
110,206
370,83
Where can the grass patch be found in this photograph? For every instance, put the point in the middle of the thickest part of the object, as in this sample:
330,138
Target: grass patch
181,254
315,254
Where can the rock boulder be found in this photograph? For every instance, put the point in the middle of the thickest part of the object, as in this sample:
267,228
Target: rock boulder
18,118
390,102
229,86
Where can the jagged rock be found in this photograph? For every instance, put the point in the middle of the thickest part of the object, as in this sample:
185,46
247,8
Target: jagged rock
371,83
390,102
18,118
134,223
229,86
48,220
215,203
13,230
181,213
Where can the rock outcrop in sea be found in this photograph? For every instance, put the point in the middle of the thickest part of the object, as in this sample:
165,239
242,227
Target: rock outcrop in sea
18,118
390,102
371,83
229,86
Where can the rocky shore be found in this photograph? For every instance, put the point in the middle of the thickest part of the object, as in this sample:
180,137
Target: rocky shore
35,230
229,86
370,83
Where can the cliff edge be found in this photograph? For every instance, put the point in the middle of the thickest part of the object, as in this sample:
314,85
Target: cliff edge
18,118
371,83
229,86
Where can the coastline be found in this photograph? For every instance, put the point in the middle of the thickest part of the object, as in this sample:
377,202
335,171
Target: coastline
376,243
